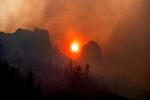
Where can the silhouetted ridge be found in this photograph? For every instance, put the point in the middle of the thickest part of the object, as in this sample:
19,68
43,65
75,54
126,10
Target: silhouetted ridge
30,50
92,49
91,54
20,30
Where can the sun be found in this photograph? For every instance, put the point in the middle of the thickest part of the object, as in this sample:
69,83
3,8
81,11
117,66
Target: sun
75,47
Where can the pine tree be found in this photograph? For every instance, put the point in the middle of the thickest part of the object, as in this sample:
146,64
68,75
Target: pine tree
76,78
86,72
86,76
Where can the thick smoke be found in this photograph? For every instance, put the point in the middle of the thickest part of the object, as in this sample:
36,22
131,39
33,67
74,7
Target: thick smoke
128,49
92,18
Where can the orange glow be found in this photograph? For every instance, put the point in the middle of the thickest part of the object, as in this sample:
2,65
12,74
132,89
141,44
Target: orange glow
73,36
74,47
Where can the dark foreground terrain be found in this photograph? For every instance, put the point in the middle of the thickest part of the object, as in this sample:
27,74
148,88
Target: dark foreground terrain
17,87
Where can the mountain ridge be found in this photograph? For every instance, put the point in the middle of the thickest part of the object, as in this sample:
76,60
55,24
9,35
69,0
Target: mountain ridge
33,50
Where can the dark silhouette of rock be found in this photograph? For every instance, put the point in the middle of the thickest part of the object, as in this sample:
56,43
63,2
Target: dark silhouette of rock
91,54
91,51
31,50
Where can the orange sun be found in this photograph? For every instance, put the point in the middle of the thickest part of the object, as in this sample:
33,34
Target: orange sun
75,47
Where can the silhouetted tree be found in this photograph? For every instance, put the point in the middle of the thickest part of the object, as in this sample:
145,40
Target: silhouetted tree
76,78
14,86
68,69
86,72
86,76
70,66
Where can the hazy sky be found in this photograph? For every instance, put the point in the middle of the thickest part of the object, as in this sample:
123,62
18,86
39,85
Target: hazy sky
129,46
89,19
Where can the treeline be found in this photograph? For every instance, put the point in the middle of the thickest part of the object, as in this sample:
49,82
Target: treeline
17,86
73,77
77,84
14,86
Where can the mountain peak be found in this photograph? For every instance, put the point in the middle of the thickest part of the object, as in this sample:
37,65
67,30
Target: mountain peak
91,53
19,30
38,30
93,44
